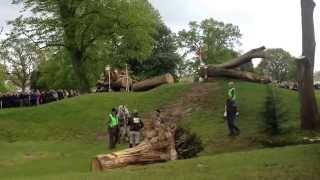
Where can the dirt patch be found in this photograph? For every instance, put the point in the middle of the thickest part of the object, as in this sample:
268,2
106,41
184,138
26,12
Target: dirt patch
197,96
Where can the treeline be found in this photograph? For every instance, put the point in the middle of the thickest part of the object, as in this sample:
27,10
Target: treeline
67,44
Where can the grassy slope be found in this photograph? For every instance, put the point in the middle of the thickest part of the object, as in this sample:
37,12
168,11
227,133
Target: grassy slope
77,118
62,137
56,141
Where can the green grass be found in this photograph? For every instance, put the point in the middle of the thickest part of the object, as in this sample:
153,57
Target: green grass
58,140
294,162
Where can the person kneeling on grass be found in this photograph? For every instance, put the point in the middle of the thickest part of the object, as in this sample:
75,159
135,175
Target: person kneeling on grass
135,125
113,126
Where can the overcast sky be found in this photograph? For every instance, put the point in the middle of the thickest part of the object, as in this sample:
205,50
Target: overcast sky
273,23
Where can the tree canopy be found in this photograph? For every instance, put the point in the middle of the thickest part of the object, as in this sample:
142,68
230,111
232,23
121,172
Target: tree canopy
279,65
163,59
86,30
213,40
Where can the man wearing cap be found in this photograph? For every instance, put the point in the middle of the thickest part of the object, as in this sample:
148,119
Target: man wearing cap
135,125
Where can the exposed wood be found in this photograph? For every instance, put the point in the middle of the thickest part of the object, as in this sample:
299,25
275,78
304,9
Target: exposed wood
308,109
229,73
243,59
158,146
153,82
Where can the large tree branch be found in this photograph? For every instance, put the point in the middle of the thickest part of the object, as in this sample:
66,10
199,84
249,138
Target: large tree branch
243,59
230,73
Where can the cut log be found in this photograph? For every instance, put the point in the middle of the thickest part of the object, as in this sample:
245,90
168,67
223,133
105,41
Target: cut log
158,147
153,82
229,73
243,59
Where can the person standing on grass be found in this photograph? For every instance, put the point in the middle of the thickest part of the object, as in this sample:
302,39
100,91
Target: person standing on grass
135,125
231,110
113,128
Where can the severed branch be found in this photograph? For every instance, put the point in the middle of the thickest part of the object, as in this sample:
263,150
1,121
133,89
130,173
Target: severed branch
236,74
229,70
243,59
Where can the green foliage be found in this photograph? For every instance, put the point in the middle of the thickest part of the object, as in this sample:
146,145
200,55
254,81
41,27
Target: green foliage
272,113
164,58
2,79
22,58
55,73
279,65
214,39
90,32
188,144
317,76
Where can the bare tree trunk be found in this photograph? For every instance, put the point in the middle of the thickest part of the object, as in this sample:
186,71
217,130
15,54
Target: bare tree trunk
309,110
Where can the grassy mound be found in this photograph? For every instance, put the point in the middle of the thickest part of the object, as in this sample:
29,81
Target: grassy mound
57,141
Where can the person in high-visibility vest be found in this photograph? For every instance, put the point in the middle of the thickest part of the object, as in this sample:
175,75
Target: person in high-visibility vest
231,110
113,126
232,91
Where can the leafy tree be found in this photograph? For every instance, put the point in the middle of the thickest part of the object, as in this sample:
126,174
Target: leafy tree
317,76
164,57
279,65
22,58
212,39
55,73
2,79
83,28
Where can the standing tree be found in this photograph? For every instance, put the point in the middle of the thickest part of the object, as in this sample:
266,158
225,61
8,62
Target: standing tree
317,76
83,28
22,58
309,111
279,65
164,58
2,79
211,39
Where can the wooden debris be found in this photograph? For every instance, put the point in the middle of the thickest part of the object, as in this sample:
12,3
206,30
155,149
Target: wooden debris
153,82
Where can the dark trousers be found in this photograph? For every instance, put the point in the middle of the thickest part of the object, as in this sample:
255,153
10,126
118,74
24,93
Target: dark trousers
233,129
113,137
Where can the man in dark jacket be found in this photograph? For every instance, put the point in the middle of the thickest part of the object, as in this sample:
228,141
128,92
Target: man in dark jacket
135,125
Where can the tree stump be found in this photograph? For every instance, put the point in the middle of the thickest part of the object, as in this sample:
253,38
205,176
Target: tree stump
158,146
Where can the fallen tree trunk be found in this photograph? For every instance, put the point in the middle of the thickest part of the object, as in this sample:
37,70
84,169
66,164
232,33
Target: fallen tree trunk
153,82
229,73
158,146
245,58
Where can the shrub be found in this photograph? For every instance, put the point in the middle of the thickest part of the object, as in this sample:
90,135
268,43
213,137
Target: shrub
188,144
272,113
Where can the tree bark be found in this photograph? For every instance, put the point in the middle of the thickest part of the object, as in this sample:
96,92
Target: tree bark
230,73
153,82
308,110
84,84
245,58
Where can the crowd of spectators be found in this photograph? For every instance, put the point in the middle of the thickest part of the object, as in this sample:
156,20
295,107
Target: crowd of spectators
34,98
